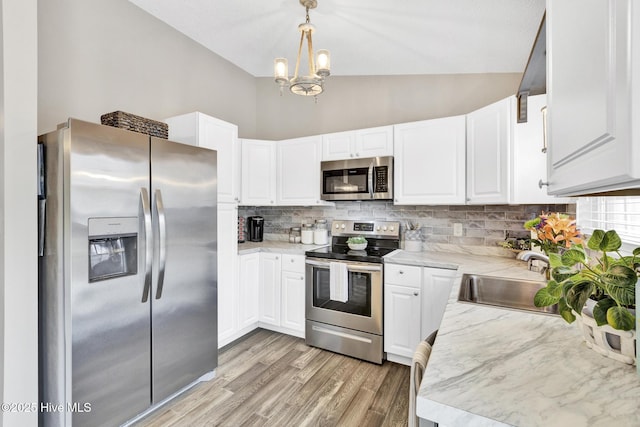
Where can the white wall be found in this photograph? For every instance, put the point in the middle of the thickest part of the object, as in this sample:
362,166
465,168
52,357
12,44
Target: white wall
18,262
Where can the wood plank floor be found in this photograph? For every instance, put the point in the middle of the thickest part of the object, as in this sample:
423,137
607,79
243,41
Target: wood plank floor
270,379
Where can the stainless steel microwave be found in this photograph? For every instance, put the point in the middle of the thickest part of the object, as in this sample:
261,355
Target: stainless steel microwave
357,179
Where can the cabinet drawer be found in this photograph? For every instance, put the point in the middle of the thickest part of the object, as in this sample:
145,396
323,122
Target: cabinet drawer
404,275
294,263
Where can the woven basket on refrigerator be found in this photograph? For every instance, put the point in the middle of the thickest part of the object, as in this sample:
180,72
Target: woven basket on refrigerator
128,121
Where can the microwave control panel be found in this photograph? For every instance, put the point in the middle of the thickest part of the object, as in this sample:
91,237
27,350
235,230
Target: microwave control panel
381,178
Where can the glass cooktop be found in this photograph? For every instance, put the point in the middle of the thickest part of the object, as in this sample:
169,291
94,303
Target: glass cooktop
342,252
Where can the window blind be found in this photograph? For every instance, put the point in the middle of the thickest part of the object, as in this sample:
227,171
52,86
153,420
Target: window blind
610,213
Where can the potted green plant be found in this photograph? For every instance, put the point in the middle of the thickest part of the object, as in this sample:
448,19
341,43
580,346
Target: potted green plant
606,282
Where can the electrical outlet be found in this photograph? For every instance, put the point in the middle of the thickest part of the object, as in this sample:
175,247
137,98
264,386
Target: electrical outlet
457,229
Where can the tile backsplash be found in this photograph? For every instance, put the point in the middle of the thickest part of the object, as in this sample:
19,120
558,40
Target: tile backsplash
482,225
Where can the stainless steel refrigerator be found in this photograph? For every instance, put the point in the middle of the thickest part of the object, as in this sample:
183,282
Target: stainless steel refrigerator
128,274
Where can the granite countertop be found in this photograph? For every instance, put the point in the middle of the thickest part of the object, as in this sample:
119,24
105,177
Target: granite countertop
275,246
499,367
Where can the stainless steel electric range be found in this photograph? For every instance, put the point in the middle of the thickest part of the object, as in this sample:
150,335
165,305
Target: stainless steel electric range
344,294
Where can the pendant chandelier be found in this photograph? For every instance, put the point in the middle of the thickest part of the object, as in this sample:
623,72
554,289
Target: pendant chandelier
310,84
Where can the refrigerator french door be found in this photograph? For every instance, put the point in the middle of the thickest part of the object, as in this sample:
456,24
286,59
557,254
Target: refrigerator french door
128,282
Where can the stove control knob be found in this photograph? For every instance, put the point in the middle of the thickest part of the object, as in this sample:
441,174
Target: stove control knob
378,228
384,228
337,225
391,228
343,226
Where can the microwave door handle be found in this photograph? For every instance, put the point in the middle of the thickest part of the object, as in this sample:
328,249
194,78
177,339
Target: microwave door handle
148,256
371,180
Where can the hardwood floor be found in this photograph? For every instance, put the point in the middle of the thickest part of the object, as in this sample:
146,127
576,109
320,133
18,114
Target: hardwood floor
270,379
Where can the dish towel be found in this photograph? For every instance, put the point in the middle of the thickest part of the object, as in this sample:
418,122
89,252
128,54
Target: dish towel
338,282
418,366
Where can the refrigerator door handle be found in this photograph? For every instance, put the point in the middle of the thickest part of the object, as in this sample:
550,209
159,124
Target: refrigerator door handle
148,256
162,245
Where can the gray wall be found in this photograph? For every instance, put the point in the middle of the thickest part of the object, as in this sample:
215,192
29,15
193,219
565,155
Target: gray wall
361,102
18,221
100,56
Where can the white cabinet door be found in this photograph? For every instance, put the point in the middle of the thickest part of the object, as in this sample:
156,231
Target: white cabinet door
227,271
292,310
248,289
298,177
338,146
293,291
592,112
258,172
488,141
269,292
374,142
205,131
401,320
436,287
529,161
429,162
223,137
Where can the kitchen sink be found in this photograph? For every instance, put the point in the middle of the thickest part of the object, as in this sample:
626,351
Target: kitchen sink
501,292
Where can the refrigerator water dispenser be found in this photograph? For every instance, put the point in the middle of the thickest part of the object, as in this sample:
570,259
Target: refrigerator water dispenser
113,248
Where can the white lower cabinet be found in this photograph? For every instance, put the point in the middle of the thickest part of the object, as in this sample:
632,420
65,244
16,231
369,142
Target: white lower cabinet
436,287
414,301
281,294
238,300
249,279
227,272
402,308
269,289
292,293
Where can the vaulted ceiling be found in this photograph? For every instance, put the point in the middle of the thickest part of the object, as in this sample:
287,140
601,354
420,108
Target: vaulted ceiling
365,37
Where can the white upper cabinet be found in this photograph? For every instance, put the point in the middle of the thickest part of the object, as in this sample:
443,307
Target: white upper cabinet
529,160
205,131
258,172
429,162
593,89
372,142
298,172
488,142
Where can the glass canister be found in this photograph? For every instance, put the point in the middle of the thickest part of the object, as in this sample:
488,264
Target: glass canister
295,235
306,234
320,236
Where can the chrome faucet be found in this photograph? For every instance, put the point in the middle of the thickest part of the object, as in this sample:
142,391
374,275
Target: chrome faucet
530,256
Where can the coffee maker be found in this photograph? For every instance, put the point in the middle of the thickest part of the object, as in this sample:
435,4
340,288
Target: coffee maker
256,228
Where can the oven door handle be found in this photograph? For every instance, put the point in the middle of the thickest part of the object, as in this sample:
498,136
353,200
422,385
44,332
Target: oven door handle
350,267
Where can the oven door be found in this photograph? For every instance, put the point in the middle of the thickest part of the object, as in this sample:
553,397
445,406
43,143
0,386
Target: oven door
362,309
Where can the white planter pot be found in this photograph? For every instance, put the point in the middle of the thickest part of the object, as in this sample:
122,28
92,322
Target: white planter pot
612,343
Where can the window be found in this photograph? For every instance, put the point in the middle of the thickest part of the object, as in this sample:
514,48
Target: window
610,213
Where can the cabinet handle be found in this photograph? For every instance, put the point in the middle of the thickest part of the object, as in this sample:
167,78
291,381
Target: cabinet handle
415,294
401,272
293,260
541,184
301,277
357,154
277,257
351,155
272,202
